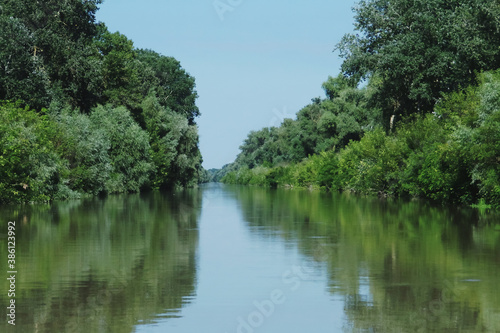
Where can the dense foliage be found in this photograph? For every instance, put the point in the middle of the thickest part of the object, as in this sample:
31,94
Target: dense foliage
451,155
420,48
322,125
89,113
424,123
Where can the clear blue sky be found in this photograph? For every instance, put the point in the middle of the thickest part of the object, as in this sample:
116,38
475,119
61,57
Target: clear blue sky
255,61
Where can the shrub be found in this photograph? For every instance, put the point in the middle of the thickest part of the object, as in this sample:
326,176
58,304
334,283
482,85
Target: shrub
86,148
30,170
486,141
174,146
129,149
372,165
327,166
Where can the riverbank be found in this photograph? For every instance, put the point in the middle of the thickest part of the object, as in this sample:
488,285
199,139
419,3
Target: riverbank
449,156
61,154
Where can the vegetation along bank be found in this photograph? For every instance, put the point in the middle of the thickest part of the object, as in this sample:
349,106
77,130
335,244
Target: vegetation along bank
415,111
83,112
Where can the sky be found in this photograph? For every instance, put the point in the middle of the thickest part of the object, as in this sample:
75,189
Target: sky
255,62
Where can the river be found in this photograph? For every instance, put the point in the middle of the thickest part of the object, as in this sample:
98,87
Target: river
236,259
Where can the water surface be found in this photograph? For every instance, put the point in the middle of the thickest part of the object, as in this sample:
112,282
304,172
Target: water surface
243,259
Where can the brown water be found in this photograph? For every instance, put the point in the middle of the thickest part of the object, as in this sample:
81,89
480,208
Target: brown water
248,260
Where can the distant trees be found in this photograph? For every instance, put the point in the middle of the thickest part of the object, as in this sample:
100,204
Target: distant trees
415,111
322,125
449,156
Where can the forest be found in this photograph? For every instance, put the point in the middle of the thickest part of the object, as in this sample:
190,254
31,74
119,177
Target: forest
415,111
84,112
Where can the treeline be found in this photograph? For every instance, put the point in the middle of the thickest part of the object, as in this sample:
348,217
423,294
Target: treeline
415,111
85,112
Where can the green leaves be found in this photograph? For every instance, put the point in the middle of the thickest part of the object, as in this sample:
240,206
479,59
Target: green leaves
421,49
50,52
30,168
85,145
54,55
22,75
120,72
174,87
174,146
129,149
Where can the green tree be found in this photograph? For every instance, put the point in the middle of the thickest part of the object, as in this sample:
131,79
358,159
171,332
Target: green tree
174,145
484,140
126,80
30,169
129,149
85,146
22,76
62,34
346,114
421,49
174,87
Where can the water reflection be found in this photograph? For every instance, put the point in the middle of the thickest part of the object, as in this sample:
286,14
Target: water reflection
103,265
327,262
399,266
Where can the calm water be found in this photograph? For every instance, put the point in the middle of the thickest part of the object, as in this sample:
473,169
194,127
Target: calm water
230,259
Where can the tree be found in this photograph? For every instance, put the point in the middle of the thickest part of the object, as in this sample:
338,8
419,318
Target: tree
129,149
175,88
174,145
420,49
85,146
30,170
62,34
120,71
22,76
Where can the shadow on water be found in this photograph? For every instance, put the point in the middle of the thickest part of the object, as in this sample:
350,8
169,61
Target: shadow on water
102,265
399,266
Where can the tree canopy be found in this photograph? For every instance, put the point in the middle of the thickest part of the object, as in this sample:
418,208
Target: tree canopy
98,115
413,113
420,49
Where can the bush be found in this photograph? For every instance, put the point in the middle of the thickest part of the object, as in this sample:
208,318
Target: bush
327,165
30,170
86,148
174,146
129,150
444,175
371,165
486,141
